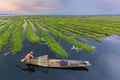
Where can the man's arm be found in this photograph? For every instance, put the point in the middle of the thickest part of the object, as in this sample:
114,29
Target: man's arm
32,56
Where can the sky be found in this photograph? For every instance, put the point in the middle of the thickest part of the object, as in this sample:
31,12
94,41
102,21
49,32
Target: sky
60,7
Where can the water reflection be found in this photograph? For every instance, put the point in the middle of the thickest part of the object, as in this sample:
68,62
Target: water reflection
113,39
74,68
29,68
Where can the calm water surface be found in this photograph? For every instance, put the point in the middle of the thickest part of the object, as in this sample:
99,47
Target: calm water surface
105,62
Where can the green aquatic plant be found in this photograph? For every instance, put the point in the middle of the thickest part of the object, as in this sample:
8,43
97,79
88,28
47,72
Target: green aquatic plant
76,48
3,29
52,43
17,41
30,34
68,33
2,24
72,29
5,37
84,46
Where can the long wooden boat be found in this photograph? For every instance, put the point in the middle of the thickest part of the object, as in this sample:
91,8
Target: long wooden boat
44,61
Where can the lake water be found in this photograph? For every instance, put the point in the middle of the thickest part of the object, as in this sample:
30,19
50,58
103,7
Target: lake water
105,62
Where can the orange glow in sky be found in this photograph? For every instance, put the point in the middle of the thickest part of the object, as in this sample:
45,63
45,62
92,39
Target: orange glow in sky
16,7
10,6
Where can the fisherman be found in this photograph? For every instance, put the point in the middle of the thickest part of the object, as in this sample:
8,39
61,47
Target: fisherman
27,57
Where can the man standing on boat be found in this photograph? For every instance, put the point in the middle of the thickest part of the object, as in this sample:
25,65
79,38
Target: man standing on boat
27,57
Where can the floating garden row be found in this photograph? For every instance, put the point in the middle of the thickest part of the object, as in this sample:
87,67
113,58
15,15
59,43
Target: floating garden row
2,23
5,37
67,28
62,29
52,43
84,46
3,29
99,26
17,41
70,26
93,27
70,34
30,34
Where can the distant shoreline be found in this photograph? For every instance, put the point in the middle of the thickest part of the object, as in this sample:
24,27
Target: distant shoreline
52,15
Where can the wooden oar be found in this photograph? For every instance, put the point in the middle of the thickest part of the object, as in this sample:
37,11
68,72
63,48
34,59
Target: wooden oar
18,61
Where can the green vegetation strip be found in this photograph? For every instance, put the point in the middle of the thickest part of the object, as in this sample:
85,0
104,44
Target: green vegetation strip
53,44
2,23
70,34
17,41
5,37
85,47
91,26
68,28
67,33
30,34
75,25
3,29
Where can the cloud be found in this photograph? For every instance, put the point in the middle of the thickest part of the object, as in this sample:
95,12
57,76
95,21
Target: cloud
38,6
60,6
27,6
9,6
107,6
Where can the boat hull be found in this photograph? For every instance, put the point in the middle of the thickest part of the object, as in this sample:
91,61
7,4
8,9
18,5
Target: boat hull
58,63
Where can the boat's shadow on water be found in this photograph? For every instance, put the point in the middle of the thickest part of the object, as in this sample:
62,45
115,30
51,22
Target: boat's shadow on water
74,68
33,68
28,68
